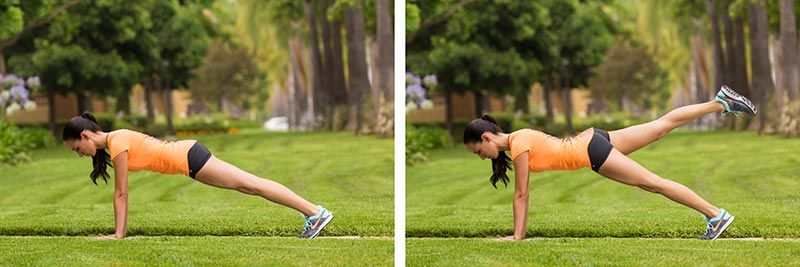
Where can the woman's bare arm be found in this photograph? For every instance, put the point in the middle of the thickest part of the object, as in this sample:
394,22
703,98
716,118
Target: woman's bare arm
521,177
121,195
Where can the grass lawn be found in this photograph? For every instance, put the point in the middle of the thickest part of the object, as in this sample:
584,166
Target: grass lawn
753,177
216,251
352,176
601,251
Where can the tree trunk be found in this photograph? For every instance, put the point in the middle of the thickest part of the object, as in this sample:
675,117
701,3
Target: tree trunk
124,104
567,90
479,108
356,63
294,84
521,101
81,102
51,111
340,89
148,100
740,63
385,48
316,62
729,65
292,101
168,109
303,104
763,87
448,110
328,79
717,51
788,46
777,65
385,42
161,85
703,83
375,94
84,102
2,62
548,101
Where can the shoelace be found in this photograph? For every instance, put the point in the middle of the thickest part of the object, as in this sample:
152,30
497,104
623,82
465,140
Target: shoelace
737,95
725,112
307,224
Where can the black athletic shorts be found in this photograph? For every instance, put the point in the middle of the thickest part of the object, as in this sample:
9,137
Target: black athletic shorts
198,156
599,148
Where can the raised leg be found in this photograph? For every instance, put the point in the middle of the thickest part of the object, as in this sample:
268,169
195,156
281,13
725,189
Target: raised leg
635,137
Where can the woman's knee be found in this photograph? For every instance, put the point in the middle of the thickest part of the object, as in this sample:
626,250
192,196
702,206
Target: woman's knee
653,184
662,128
246,187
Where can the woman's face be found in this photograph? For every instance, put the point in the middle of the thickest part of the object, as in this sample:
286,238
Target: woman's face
84,146
484,149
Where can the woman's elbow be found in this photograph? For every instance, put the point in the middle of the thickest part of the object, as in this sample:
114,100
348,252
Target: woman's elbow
121,194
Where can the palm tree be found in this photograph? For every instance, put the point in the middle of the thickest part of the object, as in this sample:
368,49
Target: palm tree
789,82
711,8
763,87
356,63
385,66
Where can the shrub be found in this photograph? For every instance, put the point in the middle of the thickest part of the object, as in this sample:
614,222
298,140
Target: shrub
419,140
608,122
38,138
105,121
156,130
457,133
203,125
16,143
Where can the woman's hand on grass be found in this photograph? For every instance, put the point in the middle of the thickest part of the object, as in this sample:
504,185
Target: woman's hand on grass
106,237
507,238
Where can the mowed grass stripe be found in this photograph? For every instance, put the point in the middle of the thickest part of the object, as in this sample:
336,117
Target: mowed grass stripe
601,251
170,251
349,175
450,196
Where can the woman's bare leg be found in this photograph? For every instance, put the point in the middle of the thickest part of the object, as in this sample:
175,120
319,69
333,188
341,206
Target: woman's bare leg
635,137
224,175
620,168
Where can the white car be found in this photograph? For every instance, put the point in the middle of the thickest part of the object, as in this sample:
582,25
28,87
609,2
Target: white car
277,124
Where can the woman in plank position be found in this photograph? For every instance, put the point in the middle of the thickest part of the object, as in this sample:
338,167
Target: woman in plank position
133,151
604,152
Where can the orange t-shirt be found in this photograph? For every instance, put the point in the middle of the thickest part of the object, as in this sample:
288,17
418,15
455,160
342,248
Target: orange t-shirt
149,153
546,152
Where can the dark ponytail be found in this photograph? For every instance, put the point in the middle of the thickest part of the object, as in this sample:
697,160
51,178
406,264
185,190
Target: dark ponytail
472,134
101,160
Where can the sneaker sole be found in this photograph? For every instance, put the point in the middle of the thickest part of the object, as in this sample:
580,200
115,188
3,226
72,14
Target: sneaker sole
324,223
735,96
724,226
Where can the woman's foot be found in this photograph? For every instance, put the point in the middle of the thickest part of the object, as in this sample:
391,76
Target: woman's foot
715,226
734,102
314,224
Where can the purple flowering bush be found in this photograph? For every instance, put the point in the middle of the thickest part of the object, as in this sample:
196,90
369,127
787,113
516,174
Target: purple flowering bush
15,143
15,93
416,89
421,139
